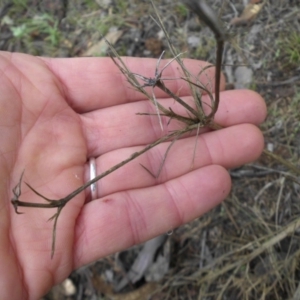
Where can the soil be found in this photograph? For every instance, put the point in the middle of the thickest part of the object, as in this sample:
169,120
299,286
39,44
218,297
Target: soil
248,247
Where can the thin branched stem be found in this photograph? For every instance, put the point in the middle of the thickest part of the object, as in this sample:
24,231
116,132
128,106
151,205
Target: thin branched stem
60,203
193,122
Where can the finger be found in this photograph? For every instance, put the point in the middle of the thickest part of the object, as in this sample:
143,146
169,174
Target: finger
229,147
105,132
93,83
127,218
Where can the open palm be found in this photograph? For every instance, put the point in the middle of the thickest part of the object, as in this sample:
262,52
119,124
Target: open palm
54,115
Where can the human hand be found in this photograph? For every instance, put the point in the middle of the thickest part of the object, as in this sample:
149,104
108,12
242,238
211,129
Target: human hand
55,114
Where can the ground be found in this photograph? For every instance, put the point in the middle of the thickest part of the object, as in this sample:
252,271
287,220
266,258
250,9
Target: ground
248,247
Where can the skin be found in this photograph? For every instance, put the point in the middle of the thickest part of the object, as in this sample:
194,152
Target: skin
55,114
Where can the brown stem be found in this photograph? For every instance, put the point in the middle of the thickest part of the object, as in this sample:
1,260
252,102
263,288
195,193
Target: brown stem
60,203
208,16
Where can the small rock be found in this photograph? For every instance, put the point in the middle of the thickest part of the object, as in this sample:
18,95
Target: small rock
193,41
104,3
69,287
243,76
270,147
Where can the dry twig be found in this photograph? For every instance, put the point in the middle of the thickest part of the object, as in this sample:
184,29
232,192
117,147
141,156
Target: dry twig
198,120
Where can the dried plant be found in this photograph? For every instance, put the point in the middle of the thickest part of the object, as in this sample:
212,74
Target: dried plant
193,122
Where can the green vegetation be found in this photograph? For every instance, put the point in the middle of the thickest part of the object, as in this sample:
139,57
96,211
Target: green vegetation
181,10
43,26
289,49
